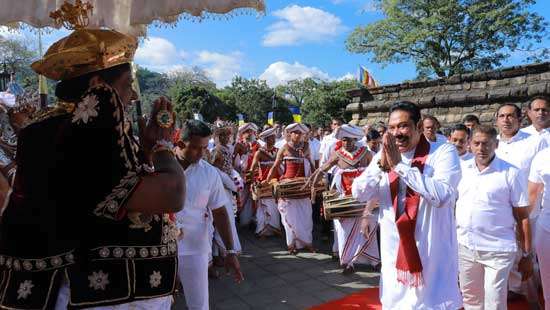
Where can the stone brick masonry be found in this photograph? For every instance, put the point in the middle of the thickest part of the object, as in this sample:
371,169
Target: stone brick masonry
450,99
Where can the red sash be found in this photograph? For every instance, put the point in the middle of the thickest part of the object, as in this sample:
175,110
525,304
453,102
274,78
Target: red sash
408,264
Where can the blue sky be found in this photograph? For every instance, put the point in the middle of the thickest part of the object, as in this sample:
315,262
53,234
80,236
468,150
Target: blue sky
295,39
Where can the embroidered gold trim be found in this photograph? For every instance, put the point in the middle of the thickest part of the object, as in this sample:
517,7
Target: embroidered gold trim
37,264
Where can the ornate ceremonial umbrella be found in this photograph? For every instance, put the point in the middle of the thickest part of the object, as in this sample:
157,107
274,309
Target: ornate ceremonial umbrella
127,16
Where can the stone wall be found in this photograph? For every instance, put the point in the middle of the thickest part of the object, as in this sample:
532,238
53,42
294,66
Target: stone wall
452,98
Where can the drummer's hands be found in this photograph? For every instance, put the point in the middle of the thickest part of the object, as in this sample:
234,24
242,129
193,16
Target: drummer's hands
150,132
232,263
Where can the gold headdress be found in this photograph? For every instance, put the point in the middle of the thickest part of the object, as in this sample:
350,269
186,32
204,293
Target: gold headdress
84,50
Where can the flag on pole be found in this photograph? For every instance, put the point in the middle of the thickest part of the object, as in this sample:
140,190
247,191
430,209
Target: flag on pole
296,115
241,119
270,118
366,79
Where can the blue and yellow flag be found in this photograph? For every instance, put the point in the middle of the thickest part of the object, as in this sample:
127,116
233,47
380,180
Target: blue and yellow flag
270,118
366,79
241,119
296,115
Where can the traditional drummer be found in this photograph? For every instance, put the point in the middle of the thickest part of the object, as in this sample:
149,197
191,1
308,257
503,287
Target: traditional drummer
350,160
295,213
243,154
267,214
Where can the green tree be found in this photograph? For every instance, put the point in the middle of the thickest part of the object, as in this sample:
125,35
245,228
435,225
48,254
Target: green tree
152,85
297,90
252,97
445,37
16,56
192,99
329,99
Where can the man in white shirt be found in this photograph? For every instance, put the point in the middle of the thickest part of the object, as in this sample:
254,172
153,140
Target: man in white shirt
363,140
414,182
460,137
492,200
538,111
539,185
328,142
374,140
430,126
470,121
515,146
204,205
519,149
314,146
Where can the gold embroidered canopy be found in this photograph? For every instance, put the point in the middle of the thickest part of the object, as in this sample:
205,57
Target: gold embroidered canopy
127,16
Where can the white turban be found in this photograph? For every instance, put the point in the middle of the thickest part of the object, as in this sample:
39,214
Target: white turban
297,127
268,132
349,131
246,126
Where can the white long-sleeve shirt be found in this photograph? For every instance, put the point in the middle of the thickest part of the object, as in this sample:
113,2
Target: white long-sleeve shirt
435,231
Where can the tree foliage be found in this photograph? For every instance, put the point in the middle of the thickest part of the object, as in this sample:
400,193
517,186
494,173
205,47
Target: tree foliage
297,90
252,97
192,99
329,99
445,37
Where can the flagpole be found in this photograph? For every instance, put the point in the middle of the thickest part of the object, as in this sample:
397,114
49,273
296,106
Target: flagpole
42,83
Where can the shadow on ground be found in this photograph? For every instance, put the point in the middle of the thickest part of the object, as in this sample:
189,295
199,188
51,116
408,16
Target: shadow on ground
276,280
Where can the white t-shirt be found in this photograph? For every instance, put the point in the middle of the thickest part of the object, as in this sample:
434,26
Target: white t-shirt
326,148
314,147
484,216
544,134
540,173
466,156
520,149
204,192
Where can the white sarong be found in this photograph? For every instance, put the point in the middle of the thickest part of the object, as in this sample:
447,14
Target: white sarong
268,217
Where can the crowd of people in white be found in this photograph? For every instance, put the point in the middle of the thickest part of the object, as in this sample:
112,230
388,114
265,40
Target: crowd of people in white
462,212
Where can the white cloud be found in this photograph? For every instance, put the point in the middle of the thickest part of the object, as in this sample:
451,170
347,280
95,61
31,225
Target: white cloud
158,52
221,68
298,24
347,76
281,72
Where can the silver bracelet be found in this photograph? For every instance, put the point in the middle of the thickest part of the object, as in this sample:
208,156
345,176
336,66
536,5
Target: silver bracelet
231,252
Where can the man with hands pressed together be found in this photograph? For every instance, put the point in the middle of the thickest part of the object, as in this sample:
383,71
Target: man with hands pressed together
414,182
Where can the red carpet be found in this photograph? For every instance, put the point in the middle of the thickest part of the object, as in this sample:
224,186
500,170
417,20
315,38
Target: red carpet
368,300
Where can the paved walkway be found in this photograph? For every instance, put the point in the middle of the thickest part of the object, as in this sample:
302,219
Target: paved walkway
276,280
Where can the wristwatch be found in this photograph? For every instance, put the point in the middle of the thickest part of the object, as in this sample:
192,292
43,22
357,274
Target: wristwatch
233,252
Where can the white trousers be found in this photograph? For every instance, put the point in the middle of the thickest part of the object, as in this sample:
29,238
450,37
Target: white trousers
193,273
542,246
161,303
484,278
